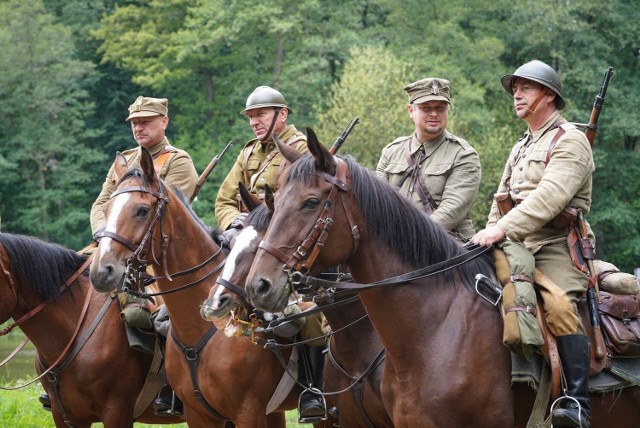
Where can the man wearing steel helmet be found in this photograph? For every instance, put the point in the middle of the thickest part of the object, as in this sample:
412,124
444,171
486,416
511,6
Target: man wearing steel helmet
549,169
259,164
437,170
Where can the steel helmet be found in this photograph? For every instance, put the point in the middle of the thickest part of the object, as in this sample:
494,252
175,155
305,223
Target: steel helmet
539,72
265,96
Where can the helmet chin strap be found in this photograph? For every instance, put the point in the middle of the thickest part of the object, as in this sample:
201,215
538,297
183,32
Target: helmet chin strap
273,124
531,109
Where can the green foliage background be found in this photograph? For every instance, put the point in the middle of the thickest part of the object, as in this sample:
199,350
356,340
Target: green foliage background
70,68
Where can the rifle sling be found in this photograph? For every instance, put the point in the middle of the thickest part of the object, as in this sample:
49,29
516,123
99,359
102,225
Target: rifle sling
417,180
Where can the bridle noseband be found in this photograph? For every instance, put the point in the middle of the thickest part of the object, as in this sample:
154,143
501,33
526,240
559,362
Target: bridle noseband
306,253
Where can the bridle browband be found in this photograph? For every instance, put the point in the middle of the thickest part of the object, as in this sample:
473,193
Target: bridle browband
305,254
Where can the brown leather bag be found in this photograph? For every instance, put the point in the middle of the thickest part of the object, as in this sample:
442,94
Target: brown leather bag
620,321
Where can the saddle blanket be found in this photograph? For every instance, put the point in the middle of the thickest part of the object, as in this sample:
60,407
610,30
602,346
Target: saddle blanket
523,370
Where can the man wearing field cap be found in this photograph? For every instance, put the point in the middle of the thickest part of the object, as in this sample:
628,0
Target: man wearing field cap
149,119
438,171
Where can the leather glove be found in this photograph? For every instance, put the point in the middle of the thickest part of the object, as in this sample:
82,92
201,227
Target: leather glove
238,221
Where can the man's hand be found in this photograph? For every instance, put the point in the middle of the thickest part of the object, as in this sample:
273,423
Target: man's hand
238,221
489,236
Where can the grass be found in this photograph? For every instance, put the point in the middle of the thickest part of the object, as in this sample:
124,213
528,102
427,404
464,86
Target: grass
21,408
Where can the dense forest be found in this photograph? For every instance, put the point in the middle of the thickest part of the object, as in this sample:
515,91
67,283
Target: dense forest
70,68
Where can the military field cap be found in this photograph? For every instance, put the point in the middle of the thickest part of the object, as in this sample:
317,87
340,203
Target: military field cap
429,89
147,107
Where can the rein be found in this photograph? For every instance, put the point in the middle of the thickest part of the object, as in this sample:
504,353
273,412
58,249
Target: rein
31,313
313,283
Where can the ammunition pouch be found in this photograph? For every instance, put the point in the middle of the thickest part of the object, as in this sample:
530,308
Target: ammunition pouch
504,201
135,311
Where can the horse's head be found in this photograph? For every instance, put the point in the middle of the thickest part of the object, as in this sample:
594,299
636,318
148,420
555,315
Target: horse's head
133,224
312,200
227,305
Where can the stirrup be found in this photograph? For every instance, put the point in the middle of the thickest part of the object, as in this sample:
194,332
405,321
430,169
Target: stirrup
316,394
556,404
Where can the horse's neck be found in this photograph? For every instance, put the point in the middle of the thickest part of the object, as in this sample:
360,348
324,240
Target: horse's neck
184,305
51,329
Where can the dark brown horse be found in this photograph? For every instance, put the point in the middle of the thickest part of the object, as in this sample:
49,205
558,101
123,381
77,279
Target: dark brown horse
354,360
445,365
91,365
218,378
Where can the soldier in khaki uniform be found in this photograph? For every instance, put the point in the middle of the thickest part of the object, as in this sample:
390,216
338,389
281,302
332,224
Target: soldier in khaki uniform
549,169
438,171
149,120
260,164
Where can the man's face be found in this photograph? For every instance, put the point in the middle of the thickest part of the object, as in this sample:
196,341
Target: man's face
149,131
430,119
525,94
261,119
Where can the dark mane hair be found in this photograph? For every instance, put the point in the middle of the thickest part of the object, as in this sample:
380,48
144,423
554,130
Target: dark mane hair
40,265
213,232
259,218
393,219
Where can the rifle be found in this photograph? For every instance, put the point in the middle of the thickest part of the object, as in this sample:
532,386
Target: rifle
586,249
592,126
205,174
581,228
338,143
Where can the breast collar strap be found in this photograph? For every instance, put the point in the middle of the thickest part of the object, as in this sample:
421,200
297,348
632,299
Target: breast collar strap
306,253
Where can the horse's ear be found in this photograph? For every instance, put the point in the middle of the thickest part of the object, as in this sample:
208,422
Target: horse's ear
146,164
269,198
249,200
120,164
287,152
324,159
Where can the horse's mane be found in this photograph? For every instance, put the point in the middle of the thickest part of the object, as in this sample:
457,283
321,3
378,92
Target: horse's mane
259,218
213,232
40,265
393,219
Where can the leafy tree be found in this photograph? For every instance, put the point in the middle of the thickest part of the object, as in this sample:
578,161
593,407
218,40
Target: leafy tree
42,112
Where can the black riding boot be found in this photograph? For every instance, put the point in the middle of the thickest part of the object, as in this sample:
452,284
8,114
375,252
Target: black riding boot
311,405
573,409
45,400
168,405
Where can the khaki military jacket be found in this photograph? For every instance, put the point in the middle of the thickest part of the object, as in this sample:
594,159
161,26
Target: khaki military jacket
546,182
262,168
451,173
177,170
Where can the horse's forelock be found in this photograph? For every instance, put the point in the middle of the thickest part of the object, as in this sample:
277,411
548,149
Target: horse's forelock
259,218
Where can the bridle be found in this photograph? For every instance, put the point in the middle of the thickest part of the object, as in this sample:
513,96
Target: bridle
136,277
306,252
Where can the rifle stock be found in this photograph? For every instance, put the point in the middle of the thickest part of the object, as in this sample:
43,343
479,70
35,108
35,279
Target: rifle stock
205,174
599,347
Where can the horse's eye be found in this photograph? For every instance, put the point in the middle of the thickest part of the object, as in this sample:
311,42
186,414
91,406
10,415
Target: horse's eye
311,203
142,212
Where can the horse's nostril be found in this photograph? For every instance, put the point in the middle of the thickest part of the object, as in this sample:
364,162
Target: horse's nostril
264,285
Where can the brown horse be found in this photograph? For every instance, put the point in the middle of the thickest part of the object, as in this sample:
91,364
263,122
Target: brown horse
90,366
218,378
355,353
445,365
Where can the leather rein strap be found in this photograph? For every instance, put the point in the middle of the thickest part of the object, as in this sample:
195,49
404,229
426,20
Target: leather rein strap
308,250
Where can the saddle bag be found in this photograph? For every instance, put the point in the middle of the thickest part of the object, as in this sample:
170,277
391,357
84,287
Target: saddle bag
620,322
